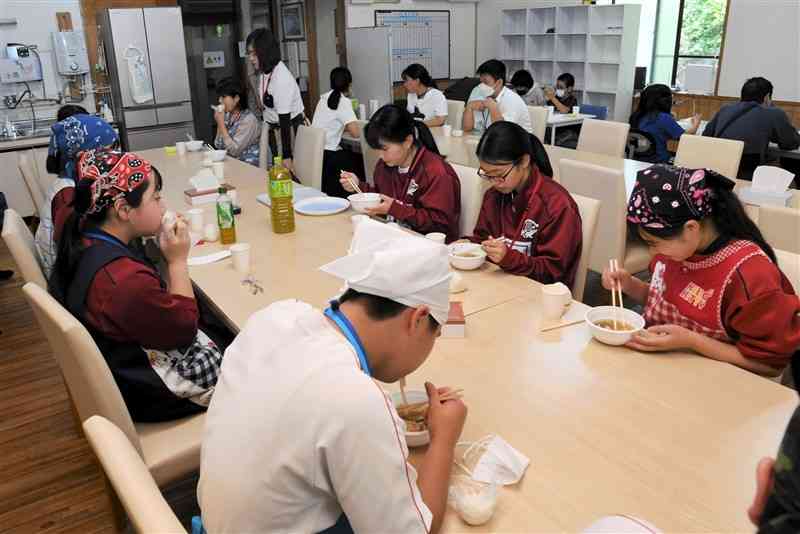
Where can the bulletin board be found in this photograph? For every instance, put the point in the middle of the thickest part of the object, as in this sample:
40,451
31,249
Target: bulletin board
418,37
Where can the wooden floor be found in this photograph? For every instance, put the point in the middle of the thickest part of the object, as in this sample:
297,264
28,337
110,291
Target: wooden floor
49,481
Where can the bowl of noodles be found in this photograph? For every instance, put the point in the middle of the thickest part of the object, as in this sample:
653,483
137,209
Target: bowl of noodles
613,325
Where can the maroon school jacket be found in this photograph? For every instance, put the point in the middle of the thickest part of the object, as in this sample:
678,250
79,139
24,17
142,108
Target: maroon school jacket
427,198
541,225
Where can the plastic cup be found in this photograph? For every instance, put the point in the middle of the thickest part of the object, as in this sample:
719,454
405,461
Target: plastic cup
556,298
576,110
437,237
211,232
447,130
219,169
195,220
240,253
551,110
180,147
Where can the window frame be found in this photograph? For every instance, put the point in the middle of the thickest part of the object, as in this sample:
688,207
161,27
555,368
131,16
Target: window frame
677,55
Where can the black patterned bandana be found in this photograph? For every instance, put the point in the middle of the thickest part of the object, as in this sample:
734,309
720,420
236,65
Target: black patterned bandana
665,196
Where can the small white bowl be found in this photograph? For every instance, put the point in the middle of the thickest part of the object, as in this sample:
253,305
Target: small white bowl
194,146
362,201
608,336
413,439
217,155
457,133
467,263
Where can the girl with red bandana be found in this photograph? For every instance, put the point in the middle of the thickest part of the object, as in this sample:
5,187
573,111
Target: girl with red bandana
716,288
146,326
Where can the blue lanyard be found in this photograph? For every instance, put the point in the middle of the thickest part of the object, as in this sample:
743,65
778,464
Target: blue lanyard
349,332
107,238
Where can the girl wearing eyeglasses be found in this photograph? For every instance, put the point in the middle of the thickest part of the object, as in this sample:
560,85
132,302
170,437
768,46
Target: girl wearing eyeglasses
528,225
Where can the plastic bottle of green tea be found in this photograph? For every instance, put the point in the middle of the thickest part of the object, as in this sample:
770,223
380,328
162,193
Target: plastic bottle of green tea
225,220
280,193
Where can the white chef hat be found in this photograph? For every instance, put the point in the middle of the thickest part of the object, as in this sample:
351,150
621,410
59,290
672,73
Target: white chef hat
388,262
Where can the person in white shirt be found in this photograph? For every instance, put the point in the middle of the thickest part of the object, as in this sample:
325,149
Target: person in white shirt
300,436
277,93
335,114
492,101
425,101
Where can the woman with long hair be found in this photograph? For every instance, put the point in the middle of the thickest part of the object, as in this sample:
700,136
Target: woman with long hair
277,93
418,187
654,116
425,101
715,287
529,224
335,114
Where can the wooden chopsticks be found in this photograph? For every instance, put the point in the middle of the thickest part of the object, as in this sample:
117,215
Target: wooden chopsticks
616,291
354,183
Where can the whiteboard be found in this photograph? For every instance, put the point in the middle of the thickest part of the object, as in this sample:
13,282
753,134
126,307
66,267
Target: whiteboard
762,38
418,37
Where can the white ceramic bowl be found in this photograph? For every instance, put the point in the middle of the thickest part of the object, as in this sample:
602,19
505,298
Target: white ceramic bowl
218,155
413,439
194,146
607,335
463,262
362,201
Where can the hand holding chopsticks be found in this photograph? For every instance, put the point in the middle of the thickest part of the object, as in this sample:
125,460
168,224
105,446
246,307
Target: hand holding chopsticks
348,178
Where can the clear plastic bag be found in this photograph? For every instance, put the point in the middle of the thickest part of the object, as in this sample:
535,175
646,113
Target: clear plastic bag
474,501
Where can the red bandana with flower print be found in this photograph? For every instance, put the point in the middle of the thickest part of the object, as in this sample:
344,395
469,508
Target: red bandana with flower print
113,173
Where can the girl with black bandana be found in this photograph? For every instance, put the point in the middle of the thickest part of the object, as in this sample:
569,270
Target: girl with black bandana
716,288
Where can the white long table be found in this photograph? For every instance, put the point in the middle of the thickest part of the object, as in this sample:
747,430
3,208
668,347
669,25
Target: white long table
673,438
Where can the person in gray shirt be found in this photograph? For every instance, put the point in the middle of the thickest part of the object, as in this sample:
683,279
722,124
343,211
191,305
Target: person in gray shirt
755,121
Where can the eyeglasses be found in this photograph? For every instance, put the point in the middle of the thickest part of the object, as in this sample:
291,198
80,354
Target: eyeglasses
491,178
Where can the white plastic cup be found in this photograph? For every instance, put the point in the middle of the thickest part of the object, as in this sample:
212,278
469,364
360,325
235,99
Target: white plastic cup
362,112
373,107
219,169
180,147
437,237
240,252
447,130
556,298
576,110
211,232
551,110
195,220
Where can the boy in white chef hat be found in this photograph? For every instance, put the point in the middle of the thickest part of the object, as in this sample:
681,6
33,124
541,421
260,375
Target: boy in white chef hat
299,435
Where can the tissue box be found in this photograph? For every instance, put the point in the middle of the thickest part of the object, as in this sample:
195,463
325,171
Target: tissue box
456,324
193,197
765,198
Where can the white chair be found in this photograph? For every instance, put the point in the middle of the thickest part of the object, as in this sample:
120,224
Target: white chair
455,113
309,149
721,155
133,484
780,227
473,187
370,155
170,450
789,263
608,186
538,121
589,208
27,167
20,242
604,137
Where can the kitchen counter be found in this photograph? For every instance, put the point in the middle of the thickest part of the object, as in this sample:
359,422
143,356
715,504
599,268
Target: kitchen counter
21,143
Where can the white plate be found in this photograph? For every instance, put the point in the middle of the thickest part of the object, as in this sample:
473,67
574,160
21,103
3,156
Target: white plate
321,205
299,192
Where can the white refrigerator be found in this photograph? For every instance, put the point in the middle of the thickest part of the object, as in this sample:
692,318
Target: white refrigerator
369,57
149,76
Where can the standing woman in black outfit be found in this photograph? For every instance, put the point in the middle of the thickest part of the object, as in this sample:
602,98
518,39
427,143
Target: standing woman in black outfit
276,90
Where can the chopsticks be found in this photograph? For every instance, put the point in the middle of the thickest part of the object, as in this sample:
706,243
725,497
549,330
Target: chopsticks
615,290
354,183
403,390
454,394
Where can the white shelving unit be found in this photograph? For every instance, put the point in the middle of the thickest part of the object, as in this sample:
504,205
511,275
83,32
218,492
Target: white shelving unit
596,44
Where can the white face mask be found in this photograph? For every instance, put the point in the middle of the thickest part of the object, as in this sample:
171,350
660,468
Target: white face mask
560,93
485,90
500,463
